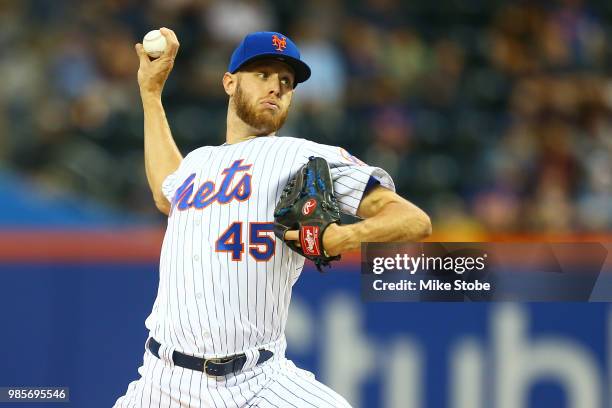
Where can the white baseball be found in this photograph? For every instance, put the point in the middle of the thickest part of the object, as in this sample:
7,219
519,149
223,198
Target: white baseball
154,43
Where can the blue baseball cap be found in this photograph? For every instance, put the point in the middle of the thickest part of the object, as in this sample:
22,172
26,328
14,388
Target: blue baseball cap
269,44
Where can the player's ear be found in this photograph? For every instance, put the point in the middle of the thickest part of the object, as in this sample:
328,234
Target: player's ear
229,83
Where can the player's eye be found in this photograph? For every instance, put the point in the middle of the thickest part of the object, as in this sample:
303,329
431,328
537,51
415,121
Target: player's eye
287,82
262,75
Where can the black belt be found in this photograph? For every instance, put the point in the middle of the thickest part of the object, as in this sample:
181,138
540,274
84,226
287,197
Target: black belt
211,366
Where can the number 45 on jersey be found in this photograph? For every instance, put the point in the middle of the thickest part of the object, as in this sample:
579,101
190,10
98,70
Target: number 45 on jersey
261,244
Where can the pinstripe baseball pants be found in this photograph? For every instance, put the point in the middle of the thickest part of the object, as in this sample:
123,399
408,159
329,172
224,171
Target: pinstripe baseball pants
274,383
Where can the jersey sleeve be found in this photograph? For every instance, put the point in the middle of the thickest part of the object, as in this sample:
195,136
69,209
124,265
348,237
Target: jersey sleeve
170,183
351,176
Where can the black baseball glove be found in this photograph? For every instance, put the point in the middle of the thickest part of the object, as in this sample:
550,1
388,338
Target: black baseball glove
308,205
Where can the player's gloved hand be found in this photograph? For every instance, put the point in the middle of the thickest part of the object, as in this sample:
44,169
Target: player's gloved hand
152,74
333,237
308,206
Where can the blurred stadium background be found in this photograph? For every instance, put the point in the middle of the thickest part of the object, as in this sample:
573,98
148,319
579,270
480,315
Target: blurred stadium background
494,116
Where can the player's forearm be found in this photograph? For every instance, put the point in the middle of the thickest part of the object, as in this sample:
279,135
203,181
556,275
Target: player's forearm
162,156
395,222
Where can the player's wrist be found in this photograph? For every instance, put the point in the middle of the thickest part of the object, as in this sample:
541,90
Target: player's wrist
150,95
337,239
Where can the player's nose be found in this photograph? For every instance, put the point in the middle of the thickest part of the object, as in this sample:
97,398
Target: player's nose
274,85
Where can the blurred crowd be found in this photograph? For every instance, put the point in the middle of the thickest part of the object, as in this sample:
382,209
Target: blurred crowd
493,116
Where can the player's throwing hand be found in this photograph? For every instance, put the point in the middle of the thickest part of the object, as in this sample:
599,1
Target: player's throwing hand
152,74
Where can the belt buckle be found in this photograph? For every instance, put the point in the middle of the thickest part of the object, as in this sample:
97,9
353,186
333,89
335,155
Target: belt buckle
211,360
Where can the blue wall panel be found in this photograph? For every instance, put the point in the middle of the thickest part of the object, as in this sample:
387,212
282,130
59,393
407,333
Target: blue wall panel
82,326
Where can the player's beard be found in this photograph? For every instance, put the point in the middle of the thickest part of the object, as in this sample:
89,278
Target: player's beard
264,121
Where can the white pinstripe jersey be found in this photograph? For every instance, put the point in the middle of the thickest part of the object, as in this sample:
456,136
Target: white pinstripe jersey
225,279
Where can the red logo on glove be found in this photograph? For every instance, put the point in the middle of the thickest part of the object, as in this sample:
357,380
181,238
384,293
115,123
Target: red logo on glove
309,206
309,239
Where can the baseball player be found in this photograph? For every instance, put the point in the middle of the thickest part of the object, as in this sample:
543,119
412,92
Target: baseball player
216,331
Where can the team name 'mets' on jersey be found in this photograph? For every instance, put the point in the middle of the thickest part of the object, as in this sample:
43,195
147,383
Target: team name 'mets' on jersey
225,279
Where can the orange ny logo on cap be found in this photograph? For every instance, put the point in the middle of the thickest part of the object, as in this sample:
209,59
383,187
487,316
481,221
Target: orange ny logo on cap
279,43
